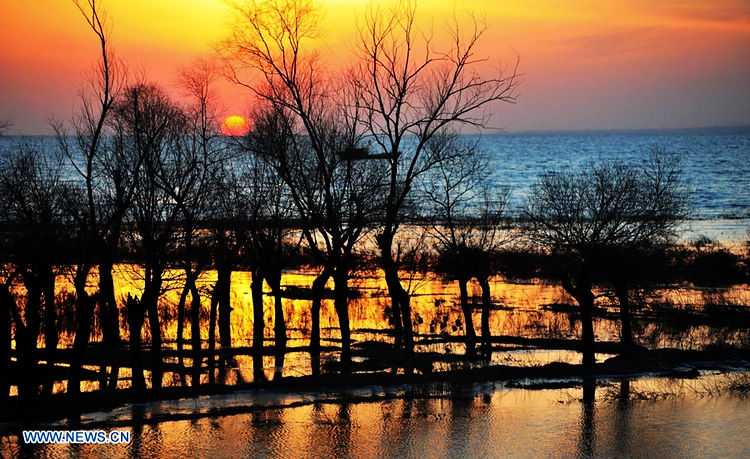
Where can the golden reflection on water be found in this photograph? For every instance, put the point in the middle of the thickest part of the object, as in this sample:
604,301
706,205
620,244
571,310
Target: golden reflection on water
520,309
650,416
433,301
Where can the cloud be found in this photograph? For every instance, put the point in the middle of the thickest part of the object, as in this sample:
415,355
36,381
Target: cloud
622,40
728,11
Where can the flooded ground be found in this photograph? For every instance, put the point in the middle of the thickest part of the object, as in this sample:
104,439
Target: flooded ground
532,308
655,417
535,310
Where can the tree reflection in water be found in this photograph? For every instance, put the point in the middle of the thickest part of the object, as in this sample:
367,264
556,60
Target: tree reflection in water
587,439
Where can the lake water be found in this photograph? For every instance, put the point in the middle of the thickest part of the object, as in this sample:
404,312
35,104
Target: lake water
658,417
716,164
647,417
522,311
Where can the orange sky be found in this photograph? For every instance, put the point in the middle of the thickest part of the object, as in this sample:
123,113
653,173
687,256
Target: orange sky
587,64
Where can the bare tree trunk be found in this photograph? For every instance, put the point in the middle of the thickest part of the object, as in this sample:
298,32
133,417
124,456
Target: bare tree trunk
585,298
341,304
135,324
279,324
110,316
256,289
626,330
587,330
224,280
5,343
108,306
212,334
151,298
29,337
195,330
50,311
84,313
318,286
471,335
400,305
181,319
279,321
259,325
33,306
25,346
110,328
50,323
486,304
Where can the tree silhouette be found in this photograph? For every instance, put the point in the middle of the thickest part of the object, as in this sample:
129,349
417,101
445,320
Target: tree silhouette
589,216
150,127
257,200
106,191
335,198
407,91
465,213
332,192
34,241
269,209
187,176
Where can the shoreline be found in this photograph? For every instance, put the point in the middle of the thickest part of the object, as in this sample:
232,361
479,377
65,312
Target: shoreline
72,411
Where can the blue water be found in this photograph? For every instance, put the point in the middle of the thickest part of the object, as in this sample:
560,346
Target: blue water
716,163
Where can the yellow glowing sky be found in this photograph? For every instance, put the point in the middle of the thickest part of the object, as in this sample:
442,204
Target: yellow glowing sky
587,64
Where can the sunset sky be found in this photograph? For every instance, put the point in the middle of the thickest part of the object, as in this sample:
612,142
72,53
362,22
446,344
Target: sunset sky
587,64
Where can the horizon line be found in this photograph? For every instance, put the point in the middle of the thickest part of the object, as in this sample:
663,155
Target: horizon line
501,131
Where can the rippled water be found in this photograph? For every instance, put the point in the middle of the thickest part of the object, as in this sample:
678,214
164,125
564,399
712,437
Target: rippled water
487,420
716,165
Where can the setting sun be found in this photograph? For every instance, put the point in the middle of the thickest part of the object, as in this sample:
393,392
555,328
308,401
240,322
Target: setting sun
234,125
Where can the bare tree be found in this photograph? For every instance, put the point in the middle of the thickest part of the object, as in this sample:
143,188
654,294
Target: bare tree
333,194
406,92
465,212
187,176
107,189
34,217
150,127
664,204
606,208
335,198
